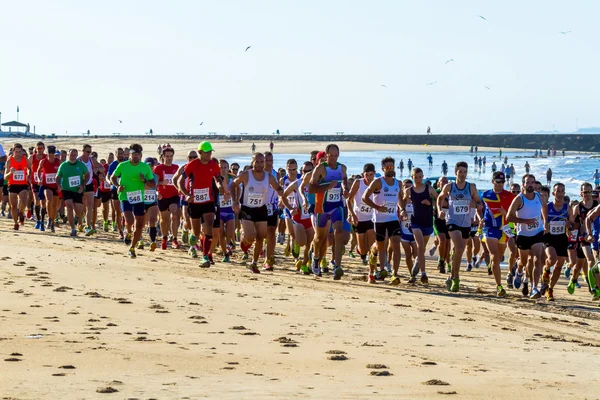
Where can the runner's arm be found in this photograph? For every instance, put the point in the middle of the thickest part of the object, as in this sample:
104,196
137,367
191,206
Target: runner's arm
511,216
7,172
275,185
289,190
441,197
350,200
475,196
590,219
181,183
314,181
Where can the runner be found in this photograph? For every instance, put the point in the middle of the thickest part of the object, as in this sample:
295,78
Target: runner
184,213
34,163
460,195
273,212
401,167
150,207
361,215
102,195
3,184
88,195
496,232
585,258
70,178
117,214
226,214
441,230
47,170
530,215
201,198
383,196
407,239
133,178
253,206
421,197
560,217
444,168
327,181
287,179
168,199
18,173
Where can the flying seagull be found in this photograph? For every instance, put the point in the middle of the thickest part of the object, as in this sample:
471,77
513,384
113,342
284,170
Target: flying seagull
431,83
247,48
201,123
384,86
565,32
120,121
482,17
487,87
450,60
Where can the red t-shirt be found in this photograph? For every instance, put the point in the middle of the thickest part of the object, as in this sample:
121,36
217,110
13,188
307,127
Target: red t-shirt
103,185
49,170
201,180
165,173
35,163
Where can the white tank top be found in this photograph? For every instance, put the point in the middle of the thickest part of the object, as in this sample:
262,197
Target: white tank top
387,196
255,193
88,164
530,209
362,211
299,200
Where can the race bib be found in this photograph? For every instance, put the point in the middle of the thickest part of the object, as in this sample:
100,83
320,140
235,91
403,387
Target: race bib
19,175
304,212
390,207
507,231
573,235
531,227
292,200
50,179
225,204
558,227
106,185
134,197
168,179
364,209
334,195
461,207
201,195
149,196
257,200
270,209
74,181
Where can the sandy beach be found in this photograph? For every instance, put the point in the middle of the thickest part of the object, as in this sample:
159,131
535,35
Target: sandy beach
226,149
80,318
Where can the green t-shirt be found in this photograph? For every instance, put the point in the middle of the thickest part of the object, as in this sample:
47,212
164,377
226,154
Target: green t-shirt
71,175
130,179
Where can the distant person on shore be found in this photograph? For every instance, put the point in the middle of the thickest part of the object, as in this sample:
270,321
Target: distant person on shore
508,173
506,160
401,167
484,161
253,148
536,154
500,154
471,149
563,152
409,164
430,159
444,168
271,145
527,167
475,162
494,166
480,162
476,149
596,178
549,177
429,130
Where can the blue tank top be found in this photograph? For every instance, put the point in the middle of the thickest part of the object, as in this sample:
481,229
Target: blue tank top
2,164
558,219
333,197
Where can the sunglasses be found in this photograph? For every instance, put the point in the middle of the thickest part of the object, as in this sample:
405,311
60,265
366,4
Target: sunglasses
586,191
89,152
235,169
306,171
192,157
514,191
387,168
499,181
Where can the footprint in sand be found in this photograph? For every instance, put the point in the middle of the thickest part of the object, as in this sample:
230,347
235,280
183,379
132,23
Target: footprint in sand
338,355
376,366
107,389
436,382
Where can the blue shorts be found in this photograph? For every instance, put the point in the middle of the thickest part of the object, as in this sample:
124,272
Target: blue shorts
595,242
335,215
138,209
426,231
406,237
346,227
494,233
226,216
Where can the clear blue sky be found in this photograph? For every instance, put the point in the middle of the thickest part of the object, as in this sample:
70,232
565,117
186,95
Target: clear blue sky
313,66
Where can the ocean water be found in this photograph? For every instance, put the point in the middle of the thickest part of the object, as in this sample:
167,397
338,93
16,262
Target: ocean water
572,170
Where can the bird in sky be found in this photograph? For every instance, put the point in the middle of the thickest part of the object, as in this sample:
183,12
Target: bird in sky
450,60
487,87
482,17
565,32
201,123
384,86
120,121
247,48
431,83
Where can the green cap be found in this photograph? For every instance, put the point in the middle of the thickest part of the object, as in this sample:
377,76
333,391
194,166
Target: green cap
205,147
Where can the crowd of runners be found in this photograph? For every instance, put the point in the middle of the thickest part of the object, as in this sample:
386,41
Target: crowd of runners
313,208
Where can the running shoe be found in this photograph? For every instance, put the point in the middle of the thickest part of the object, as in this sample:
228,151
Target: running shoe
381,275
185,237
81,228
476,262
469,267
550,294
596,294
338,272
567,272
42,228
525,289
544,288
114,227
432,250
314,265
305,269
441,266
210,258
388,267
298,265
280,238
455,285
546,276
152,246
127,239
175,244
364,261
121,236
577,285
3,214
245,256
371,279
193,240
254,268
52,228
448,283
324,267
288,250
9,215
535,293
509,280
424,279
296,251
163,244
267,267
105,226
412,279
16,227
415,268
132,252
89,232
395,280
140,245
571,287
226,259
500,292
37,224
591,275
517,281
192,252
74,232
205,263
351,254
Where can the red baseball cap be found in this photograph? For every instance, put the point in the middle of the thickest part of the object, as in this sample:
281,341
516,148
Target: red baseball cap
320,155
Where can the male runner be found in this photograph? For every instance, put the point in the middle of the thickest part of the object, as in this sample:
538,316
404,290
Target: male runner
47,170
18,173
360,214
70,178
168,198
34,163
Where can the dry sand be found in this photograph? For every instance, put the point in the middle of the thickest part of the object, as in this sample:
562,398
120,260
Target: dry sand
224,149
79,317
